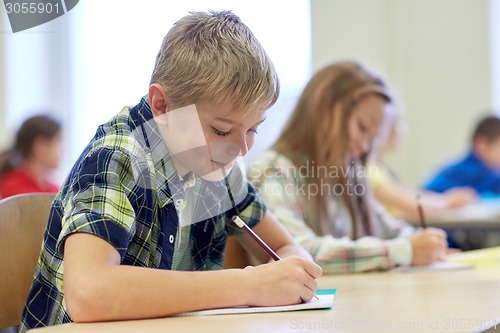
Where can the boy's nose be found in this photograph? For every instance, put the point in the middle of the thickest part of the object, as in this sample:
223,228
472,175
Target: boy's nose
243,149
240,147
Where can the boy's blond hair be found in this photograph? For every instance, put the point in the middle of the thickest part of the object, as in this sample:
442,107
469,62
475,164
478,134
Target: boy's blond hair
214,57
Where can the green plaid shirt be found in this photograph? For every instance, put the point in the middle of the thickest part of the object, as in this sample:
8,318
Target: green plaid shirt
281,185
125,189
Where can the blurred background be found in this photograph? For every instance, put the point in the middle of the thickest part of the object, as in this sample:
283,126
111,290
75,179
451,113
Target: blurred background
441,56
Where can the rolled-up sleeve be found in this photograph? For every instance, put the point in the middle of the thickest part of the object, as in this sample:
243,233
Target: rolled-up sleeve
97,201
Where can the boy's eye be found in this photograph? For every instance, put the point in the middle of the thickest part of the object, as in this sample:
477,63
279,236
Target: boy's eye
253,131
220,133
362,128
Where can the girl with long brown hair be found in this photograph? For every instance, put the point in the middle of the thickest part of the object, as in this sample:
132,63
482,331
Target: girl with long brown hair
314,177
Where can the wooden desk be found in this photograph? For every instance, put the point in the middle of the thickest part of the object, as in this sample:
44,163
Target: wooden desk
426,301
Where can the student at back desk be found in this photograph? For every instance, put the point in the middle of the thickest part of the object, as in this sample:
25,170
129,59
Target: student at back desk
312,178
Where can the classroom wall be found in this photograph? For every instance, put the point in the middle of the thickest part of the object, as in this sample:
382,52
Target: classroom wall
494,41
435,53
3,137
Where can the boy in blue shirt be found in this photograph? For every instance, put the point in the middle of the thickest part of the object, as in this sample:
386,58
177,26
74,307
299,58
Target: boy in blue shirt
139,227
480,168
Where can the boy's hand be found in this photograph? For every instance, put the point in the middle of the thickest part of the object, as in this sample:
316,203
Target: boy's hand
429,245
289,281
460,196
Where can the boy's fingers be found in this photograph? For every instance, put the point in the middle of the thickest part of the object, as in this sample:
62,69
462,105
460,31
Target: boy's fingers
307,293
311,284
313,269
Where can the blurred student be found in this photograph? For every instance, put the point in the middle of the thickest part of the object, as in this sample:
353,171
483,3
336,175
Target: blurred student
35,154
313,179
399,199
144,215
479,168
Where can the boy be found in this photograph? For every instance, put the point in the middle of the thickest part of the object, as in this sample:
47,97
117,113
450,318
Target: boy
480,168
148,203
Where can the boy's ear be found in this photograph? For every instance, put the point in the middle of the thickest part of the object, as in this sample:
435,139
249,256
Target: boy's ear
480,145
158,102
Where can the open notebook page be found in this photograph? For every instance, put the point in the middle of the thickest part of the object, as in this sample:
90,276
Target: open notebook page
326,298
435,266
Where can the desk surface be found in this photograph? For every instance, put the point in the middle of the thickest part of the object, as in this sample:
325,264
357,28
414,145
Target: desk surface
485,215
425,301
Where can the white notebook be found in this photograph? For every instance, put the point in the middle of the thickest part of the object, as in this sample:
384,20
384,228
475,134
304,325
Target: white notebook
326,298
436,266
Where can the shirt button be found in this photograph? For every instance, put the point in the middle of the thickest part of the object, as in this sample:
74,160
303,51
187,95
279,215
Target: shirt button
171,239
180,204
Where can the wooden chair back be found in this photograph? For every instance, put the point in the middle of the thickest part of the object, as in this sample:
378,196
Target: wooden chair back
22,224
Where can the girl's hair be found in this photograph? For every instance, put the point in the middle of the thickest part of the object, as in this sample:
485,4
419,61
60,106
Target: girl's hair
214,57
40,126
316,134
